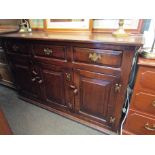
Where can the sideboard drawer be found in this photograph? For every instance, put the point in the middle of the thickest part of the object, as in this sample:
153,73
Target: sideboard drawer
2,57
17,46
140,124
144,102
51,51
98,56
146,80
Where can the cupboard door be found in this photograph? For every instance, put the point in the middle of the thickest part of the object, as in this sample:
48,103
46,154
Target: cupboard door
23,75
53,85
96,96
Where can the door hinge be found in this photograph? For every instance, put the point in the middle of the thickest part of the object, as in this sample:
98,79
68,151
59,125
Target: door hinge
112,119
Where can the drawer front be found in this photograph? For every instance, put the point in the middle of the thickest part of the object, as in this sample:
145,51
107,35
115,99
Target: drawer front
144,102
17,46
2,57
139,124
19,59
98,56
146,80
51,51
5,74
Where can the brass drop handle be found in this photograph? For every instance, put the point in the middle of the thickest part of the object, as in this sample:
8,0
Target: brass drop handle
15,48
147,127
94,57
153,103
34,72
33,79
37,78
72,86
48,51
75,91
40,81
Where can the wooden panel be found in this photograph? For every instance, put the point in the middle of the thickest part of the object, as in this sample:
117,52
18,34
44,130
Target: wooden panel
22,72
17,46
53,85
5,74
2,56
96,95
146,62
105,57
145,80
25,85
52,51
140,124
144,102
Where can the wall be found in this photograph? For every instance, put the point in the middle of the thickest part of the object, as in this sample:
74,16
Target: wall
149,34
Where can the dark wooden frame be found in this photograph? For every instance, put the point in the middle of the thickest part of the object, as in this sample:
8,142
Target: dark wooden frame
138,30
68,30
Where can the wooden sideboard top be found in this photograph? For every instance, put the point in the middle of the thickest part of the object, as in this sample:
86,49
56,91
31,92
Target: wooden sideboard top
146,62
133,40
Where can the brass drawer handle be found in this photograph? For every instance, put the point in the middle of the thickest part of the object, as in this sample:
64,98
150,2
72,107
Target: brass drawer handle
94,57
153,103
147,127
48,51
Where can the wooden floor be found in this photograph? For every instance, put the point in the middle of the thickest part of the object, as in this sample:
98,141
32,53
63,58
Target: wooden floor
4,126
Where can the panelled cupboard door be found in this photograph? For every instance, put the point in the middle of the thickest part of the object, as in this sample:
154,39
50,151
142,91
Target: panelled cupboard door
53,85
96,96
24,77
